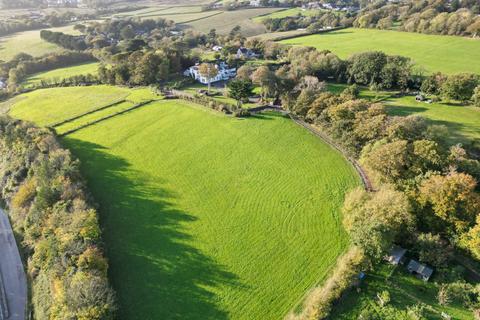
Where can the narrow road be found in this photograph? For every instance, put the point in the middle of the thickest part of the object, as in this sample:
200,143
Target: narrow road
13,282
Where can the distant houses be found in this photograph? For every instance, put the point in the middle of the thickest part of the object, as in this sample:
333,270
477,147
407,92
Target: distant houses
224,73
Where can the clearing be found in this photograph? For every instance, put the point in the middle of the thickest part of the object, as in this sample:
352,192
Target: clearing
207,216
405,290
463,122
448,54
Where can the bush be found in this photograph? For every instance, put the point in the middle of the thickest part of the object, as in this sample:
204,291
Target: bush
319,301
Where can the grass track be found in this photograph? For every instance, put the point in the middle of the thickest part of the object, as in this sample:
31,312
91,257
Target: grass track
447,54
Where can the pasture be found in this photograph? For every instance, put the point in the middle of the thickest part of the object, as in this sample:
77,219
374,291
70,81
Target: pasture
63,73
29,42
227,20
43,107
207,216
292,12
448,54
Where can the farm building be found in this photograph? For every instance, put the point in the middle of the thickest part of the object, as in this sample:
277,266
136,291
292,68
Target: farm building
396,255
224,73
420,270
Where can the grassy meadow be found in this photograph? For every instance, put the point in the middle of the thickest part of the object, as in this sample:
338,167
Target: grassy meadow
227,20
448,54
206,216
29,42
287,13
44,108
63,73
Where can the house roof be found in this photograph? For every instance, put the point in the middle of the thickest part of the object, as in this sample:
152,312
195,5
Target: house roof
421,269
396,255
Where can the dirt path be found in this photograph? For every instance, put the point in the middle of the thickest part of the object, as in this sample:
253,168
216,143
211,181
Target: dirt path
13,283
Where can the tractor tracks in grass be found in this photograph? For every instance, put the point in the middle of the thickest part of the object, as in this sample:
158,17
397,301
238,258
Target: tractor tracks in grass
91,123
361,172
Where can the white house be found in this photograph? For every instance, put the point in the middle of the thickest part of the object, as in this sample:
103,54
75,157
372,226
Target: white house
217,48
255,3
224,73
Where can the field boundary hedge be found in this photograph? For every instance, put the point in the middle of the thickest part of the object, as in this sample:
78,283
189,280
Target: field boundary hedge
91,123
307,33
201,18
57,124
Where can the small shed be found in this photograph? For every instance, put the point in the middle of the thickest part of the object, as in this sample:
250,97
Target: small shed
421,270
396,255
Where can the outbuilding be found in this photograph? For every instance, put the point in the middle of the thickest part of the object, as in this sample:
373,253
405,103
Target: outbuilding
421,270
396,255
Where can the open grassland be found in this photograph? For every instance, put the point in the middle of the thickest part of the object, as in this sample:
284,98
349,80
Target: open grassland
49,106
29,42
287,13
447,54
63,73
207,216
227,20
163,11
463,122
405,290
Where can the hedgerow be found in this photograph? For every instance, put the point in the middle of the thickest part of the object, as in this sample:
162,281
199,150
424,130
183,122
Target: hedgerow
52,212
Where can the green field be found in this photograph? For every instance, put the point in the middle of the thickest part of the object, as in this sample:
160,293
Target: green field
57,104
287,13
207,216
28,42
63,73
448,54
405,290
227,20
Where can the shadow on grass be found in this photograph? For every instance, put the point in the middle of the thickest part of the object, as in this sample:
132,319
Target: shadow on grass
156,271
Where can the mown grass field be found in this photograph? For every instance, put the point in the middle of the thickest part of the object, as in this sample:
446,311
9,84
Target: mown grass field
63,73
405,290
462,121
227,20
287,13
447,54
207,216
29,42
48,106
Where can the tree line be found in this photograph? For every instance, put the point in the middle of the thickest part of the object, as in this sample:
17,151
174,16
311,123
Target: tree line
52,212
23,65
444,17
